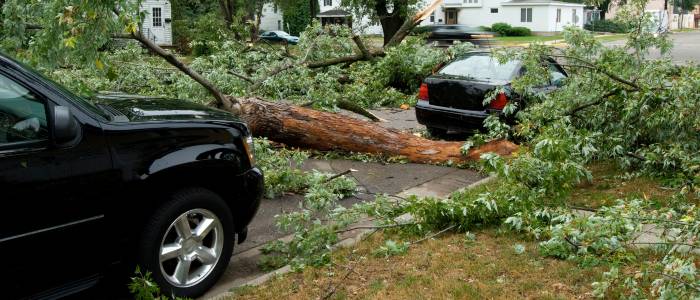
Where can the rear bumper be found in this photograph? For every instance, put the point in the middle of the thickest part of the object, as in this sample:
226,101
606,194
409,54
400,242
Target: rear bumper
450,119
251,192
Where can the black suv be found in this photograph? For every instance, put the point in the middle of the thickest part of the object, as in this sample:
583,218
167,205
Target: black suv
94,188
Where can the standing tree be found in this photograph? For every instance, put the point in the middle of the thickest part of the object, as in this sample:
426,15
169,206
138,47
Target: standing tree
391,14
246,13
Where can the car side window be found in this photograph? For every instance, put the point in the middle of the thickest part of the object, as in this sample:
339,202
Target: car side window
556,75
22,114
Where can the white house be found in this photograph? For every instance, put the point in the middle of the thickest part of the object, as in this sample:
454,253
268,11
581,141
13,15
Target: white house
666,15
330,11
157,24
271,18
540,16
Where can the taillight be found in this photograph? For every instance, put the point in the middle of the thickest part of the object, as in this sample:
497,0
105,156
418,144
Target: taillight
423,92
500,101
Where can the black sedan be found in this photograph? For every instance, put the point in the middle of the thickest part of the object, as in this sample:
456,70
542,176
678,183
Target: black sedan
279,36
451,100
447,34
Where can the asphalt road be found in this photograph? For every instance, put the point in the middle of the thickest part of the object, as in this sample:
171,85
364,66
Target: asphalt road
686,47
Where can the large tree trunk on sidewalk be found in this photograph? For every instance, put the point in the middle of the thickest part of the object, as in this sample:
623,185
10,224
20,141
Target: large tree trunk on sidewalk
308,128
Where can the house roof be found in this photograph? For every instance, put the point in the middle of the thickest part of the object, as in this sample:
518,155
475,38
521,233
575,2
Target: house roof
540,2
334,13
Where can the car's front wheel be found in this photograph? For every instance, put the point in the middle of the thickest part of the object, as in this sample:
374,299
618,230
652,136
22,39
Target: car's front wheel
188,242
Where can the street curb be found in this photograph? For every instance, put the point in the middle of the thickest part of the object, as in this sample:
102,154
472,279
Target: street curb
344,243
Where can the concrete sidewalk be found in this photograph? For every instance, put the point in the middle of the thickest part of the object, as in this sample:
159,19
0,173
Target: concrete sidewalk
372,178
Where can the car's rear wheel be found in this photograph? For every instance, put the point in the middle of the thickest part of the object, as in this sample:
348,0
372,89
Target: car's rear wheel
437,132
188,242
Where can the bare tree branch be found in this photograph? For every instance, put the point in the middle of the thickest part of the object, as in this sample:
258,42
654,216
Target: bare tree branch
591,66
248,79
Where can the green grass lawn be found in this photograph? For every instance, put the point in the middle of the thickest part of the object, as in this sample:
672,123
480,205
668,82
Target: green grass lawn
511,40
520,40
451,266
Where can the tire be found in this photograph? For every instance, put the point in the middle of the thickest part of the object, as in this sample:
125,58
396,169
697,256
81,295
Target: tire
192,262
437,132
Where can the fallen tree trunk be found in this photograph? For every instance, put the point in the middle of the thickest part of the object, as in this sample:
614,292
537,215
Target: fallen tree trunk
308,128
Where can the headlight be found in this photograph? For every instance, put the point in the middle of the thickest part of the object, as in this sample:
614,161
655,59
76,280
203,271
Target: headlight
250,149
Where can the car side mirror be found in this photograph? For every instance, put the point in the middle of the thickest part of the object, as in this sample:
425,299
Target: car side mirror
65,127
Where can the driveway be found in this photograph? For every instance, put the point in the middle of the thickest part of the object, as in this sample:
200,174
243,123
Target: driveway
686,47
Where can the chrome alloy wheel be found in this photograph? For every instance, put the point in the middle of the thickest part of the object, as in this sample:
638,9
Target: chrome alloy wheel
191,247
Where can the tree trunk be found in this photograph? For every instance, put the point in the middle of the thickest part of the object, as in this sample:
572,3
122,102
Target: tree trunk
391,22
308,128
313,9
227,10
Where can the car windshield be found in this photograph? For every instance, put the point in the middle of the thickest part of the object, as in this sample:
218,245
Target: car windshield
480,67
82,102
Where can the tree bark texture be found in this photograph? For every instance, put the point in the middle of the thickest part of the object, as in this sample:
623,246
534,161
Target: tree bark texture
308,128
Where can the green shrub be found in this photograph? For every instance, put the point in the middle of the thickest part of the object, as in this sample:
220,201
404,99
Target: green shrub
504,29
501,28
606,26
519,31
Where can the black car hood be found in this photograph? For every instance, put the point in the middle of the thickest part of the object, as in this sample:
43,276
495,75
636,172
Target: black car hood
132,108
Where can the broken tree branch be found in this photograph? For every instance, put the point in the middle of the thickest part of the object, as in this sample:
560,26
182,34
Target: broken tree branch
170,58
248,79
353,107
361,46
229,102
374,227
434,234
588,65
602,99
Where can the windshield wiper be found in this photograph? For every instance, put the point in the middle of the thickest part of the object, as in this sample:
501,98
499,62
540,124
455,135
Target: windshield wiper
113,114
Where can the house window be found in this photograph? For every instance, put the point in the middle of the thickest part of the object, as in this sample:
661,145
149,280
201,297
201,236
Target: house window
526,15
279,25
494,10
274,8
327,2
432,17
157,17
574,16
558,15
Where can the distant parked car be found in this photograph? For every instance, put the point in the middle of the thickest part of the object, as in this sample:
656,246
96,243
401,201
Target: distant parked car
279,36
92,188
448,34
451,100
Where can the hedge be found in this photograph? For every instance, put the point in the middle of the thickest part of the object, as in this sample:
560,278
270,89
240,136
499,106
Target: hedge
606,26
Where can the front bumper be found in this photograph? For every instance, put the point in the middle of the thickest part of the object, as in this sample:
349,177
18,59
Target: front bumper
250,194
450,119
